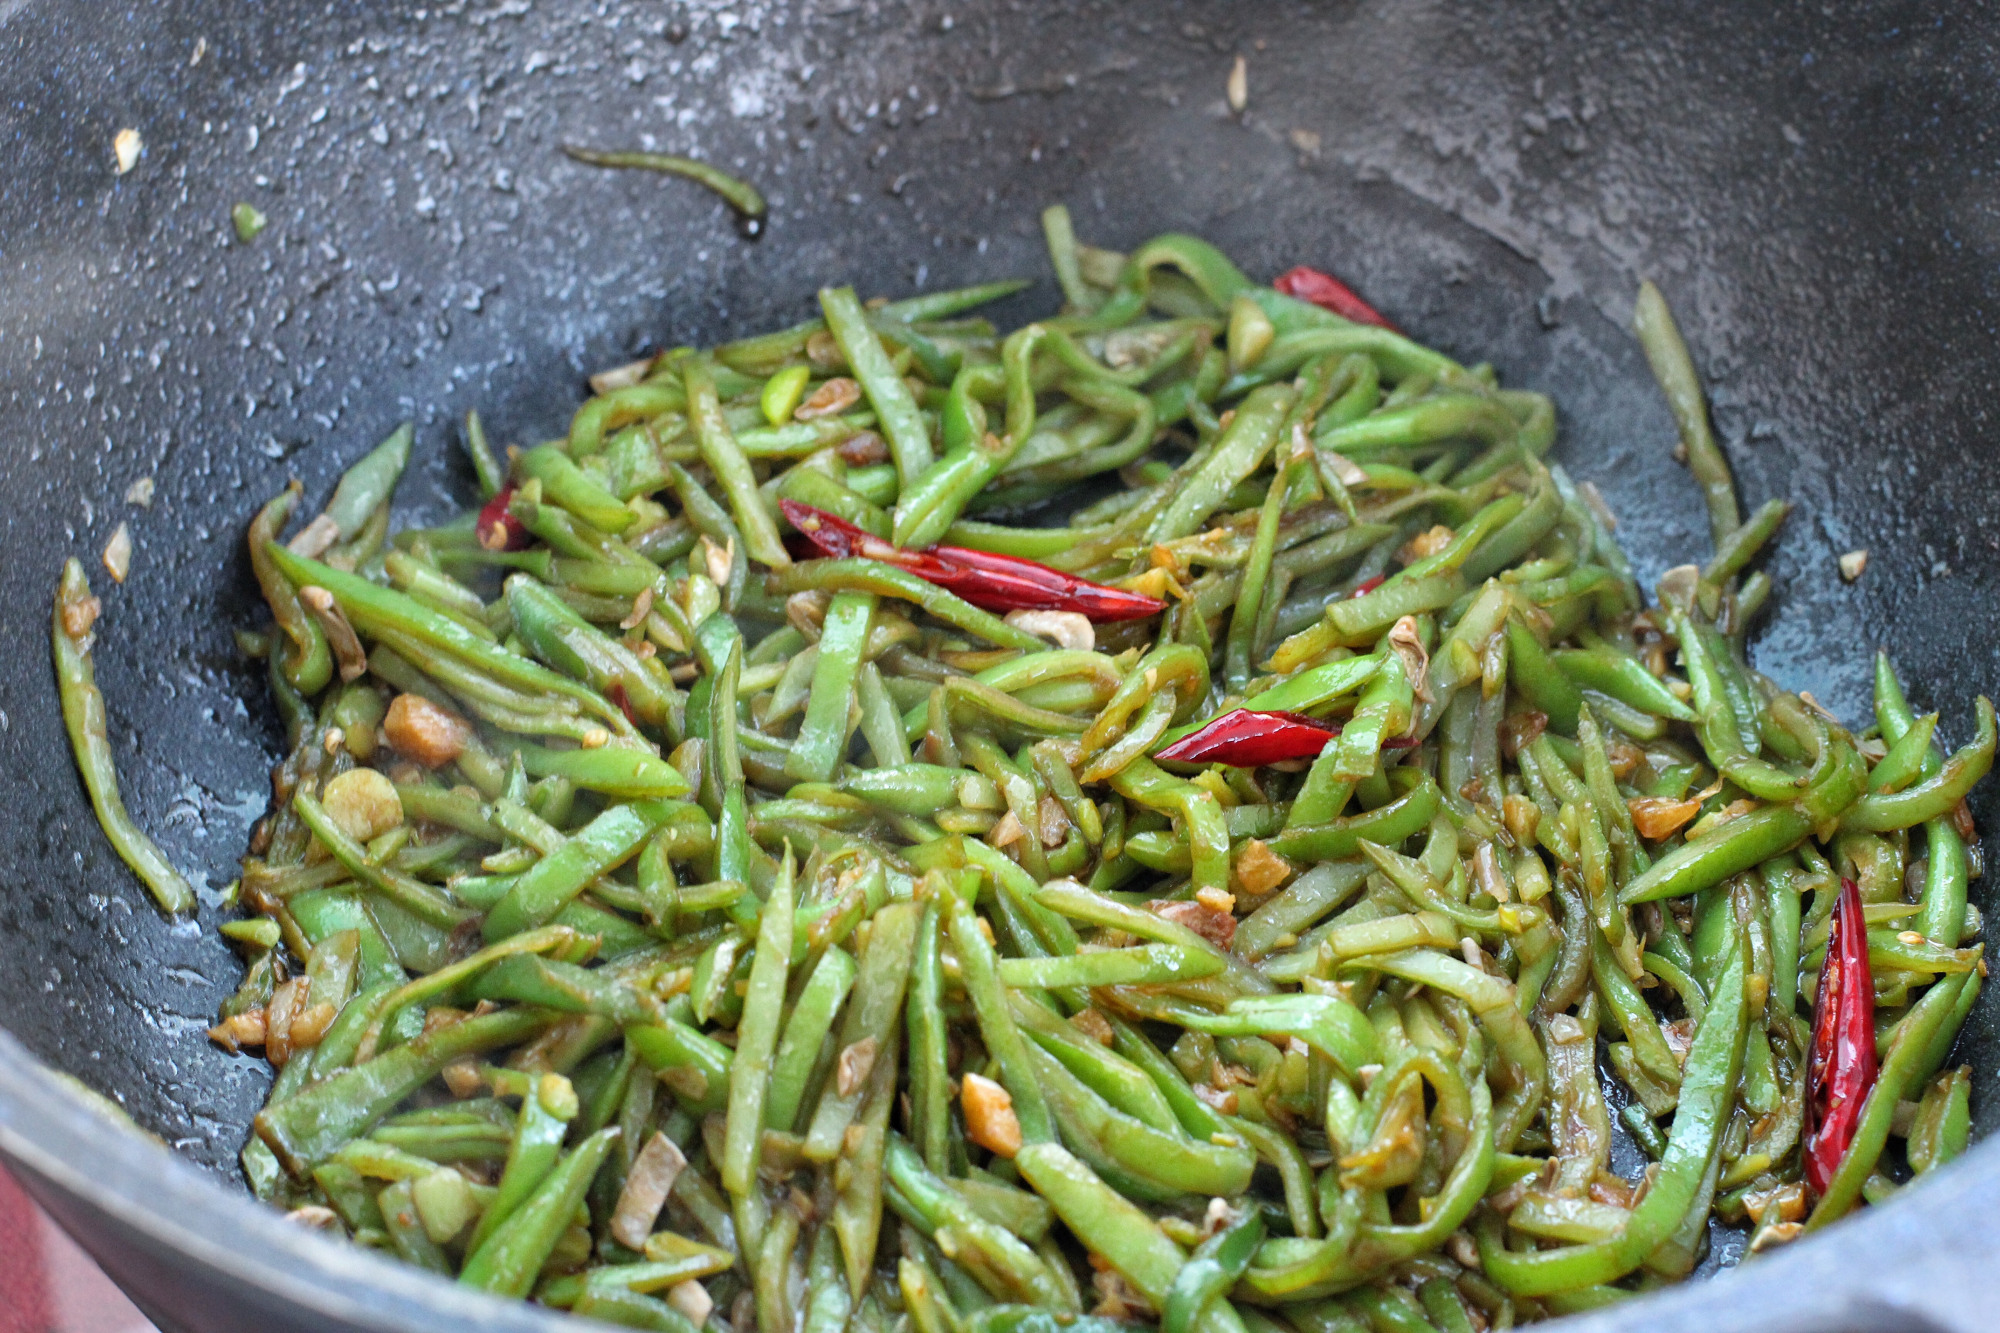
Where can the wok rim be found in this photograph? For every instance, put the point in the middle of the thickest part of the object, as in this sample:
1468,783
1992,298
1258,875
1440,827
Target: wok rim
46,1129
231,1241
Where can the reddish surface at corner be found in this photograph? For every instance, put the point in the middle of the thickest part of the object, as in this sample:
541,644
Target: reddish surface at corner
47,1284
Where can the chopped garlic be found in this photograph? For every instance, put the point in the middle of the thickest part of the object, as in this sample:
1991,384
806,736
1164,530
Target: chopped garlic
118,553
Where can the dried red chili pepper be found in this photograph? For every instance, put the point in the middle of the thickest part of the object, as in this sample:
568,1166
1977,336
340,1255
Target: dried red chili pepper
497,527
1329,293
993,582
1841,1068
1245,738
835,537
993,579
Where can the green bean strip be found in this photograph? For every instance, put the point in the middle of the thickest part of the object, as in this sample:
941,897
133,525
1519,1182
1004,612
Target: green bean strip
607,841
548,1105
1674,369
1948,872
757,1038
909,442
945,304
567,485
805,1030
823,735
857,1212
1620,676
739,195
407,892
1242,642
371,608
1240,451
1148,965
492,476
1741,844
512,1257
1123,1234
973,456
1707,1091
725,458
312,1126
930,1092
873,1011
889,581
613,770
996,1025
1935,796
365,487
1003,1264
308,663
1061,239
1740,547
76,613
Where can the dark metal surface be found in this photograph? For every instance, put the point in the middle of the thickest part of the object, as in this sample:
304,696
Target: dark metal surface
1815,191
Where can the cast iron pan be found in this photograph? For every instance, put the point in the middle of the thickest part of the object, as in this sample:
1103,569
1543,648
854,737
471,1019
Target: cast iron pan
1816,191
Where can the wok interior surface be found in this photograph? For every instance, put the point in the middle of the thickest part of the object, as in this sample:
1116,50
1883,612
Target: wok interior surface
1814,191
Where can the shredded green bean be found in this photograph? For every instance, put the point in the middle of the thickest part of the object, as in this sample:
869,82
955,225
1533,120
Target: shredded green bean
738,194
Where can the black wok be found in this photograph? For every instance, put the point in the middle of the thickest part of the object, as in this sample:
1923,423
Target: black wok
1815,190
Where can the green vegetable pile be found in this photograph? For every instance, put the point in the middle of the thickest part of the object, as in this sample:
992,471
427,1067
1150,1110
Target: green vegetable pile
662,923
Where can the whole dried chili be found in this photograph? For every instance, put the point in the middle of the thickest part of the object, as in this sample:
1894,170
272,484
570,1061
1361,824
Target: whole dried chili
498,529
989,581
1246,738
1841,1068
1329,293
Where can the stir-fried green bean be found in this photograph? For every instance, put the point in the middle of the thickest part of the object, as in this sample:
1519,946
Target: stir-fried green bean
654,918
72,634
739,194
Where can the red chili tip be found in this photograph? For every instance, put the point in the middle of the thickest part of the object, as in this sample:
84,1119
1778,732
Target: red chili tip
1329,293
1367,586
497,528
1245,738
1841,1067
615,692
831,536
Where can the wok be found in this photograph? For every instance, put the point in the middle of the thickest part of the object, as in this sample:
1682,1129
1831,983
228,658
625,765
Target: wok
1813,188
